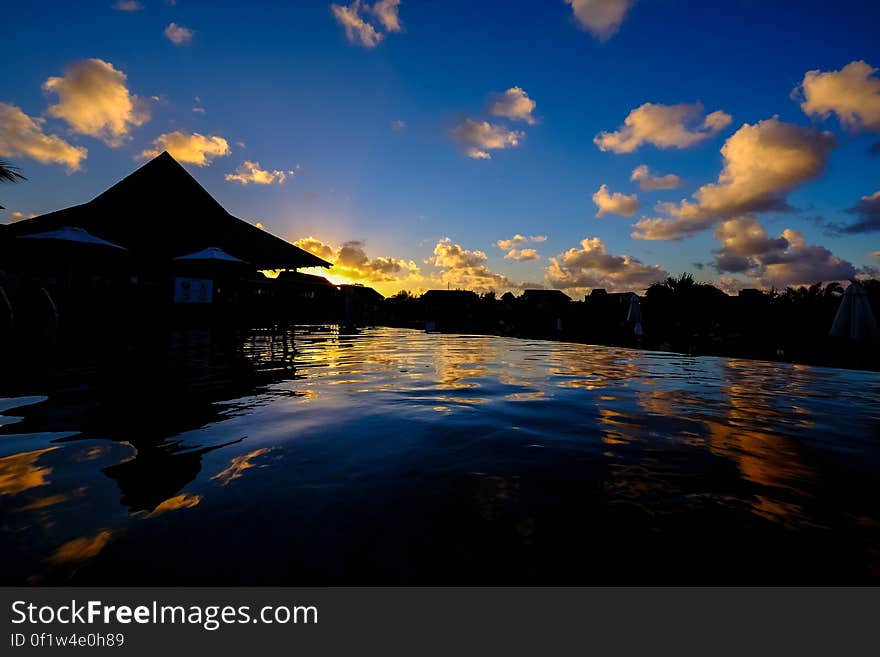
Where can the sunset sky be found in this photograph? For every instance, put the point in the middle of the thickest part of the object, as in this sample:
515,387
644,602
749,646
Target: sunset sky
482,144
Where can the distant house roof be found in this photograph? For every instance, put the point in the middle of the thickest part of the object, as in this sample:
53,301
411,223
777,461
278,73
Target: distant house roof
160,212
450,296
364,292
555,296
305,279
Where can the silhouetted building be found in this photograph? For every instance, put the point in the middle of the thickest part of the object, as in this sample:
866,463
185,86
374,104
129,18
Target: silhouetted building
361,306
449,310
311,299
154,242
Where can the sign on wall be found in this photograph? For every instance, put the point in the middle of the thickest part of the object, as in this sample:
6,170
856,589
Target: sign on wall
193,290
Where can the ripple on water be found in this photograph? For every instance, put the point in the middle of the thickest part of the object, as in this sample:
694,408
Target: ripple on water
395,456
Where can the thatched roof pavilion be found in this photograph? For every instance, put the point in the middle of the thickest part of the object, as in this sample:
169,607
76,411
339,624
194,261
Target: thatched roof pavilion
160,212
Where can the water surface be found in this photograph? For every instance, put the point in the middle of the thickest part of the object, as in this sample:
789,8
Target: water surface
398,457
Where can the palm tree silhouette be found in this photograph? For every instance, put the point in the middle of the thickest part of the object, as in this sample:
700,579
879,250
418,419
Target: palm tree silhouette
9,173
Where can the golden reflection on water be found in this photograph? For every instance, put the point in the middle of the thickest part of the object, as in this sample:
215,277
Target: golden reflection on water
20,472
43,502
238,465
664,433
183,501
772,461
80,549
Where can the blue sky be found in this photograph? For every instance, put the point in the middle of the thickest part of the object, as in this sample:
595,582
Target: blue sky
282,84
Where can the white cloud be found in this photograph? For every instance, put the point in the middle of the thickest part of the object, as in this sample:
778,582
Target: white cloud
664,126
592,267
616,203
178,34
250,172
23,136
477,138
762,163
94,100
852,93
649,181
514,104
194,148
602,18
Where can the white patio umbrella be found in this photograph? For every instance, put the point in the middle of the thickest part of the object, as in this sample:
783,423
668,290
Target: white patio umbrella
854,319
212,253
71,234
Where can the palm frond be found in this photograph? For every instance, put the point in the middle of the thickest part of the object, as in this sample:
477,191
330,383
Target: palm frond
9,173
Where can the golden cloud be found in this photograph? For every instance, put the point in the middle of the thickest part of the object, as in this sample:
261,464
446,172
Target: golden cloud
357,30
466,270
521,255
514,104
386,11
477,138
852,93
178,34
775,262
350,261
762,163
664,126
94,100
616,203
592,267
22,135
651,182
128,5
602,18
194,148
250,172
18,216
518,240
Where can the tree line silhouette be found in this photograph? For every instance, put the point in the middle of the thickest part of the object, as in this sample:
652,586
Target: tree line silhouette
677,314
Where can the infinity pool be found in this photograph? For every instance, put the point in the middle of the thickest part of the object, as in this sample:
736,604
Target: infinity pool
399,457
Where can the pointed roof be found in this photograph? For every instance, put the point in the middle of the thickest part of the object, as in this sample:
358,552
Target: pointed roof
161,211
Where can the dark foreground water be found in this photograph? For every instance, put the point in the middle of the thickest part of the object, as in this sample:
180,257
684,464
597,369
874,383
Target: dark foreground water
399,457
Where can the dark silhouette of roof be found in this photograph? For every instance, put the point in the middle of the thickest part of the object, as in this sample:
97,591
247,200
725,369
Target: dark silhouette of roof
550,296
160,212
450,296
305,279
364,292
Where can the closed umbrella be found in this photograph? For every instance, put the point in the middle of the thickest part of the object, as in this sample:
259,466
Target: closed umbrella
634,314
854,319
